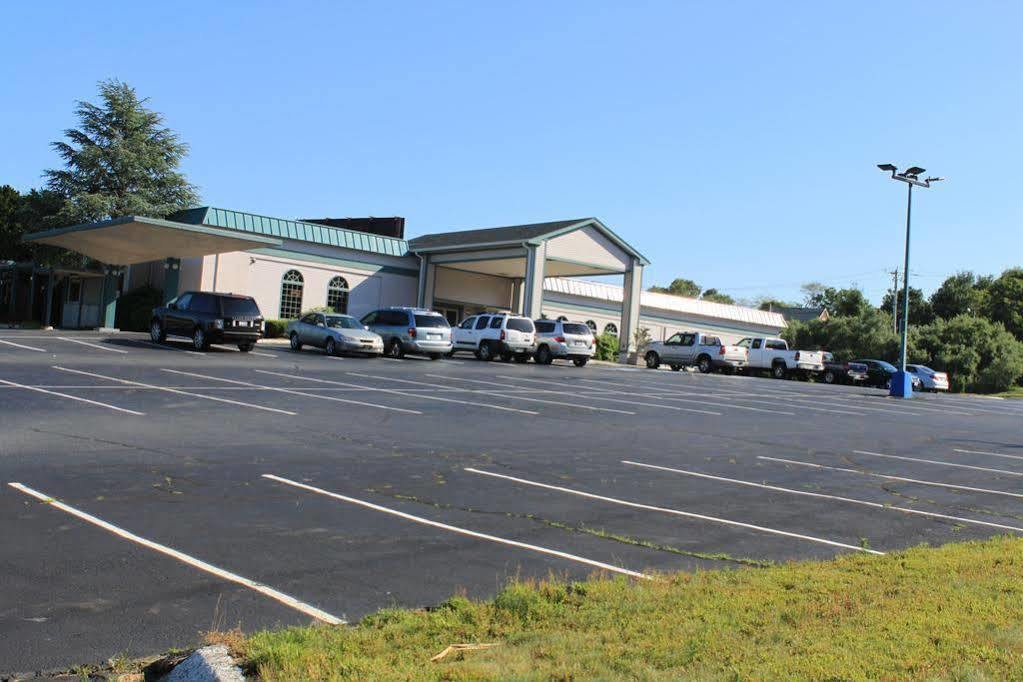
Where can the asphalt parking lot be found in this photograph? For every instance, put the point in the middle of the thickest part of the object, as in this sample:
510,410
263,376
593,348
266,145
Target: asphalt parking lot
201,491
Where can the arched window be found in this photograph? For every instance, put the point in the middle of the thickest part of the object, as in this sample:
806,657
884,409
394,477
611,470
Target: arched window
592,325
337,295
611,328
291,295
562,318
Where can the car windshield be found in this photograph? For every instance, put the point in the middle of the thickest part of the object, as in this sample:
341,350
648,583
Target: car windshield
431,321
923,370
887,366
233,307
573,328
520,324
343,322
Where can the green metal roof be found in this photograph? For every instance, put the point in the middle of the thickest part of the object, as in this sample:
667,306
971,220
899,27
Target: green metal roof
292,229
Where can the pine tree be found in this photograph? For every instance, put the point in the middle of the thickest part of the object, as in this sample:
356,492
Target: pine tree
120,161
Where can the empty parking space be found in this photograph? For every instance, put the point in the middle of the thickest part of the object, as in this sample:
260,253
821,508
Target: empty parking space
298,486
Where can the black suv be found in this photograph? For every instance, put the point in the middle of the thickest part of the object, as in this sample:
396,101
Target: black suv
209,318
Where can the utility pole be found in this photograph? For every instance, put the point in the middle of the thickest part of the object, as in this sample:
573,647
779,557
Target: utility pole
895,299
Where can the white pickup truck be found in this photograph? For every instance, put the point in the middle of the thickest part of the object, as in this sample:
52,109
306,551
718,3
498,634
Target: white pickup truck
693,348
773,355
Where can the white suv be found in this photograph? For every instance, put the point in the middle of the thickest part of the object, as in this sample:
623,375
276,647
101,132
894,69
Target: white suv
563,339
493,335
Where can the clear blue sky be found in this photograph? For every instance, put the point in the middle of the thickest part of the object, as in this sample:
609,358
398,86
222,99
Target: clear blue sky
732,143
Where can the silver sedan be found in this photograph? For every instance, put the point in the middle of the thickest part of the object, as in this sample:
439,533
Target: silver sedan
333,333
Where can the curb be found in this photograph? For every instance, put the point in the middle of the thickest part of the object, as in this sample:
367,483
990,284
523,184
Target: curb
208,664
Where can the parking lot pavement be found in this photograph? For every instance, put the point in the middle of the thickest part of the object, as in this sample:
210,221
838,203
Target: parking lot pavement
212,490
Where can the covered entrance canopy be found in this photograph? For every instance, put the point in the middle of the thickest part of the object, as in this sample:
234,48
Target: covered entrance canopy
137,239
505,267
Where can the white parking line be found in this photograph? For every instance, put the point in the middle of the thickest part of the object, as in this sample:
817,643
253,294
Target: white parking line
166,346
220,346
676,512
739,395
285,599
700,401
989,454
890,477
292,392
659,406
770,402
510,386
72,397
496,394
406,393
457,529
806,493
176,391
92,345
23,346
939,463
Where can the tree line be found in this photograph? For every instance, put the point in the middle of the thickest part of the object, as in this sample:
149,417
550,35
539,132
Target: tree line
970,327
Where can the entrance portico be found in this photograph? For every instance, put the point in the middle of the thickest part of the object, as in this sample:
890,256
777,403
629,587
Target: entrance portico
504,268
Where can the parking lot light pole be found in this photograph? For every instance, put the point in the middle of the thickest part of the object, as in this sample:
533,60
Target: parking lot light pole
902,382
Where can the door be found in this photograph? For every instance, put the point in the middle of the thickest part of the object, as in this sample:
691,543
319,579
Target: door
671,348
686,348
756,353
177,319
461,335
305,328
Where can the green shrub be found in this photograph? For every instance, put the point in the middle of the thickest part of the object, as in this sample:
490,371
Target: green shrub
607,348
274,329
135,308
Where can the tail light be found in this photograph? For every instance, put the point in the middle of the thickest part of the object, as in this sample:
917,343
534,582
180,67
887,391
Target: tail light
589,343
721,350
503,335
797,356
412,332
559,339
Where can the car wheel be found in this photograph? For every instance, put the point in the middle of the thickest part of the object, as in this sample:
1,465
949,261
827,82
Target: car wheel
778,371
653,361
395,349
506,356
522,358
246,347
676,368
543,356
704,364
451,353
199,340
435,356
156,332
330,347
887,384
485,353
295,343
580,362
829,377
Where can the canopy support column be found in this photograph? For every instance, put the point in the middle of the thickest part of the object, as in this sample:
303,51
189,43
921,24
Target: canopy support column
427,281
633,290
108,299
171,272
532,295
48,311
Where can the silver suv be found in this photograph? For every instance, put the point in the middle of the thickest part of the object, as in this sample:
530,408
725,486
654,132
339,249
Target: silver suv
492,335
562,339
410,330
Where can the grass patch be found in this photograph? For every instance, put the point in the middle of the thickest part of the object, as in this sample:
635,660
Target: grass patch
945,613
1014,392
